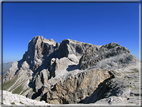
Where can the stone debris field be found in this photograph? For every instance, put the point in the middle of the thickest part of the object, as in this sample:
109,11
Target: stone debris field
19,100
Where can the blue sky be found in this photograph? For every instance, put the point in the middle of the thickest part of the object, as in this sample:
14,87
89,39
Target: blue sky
95,23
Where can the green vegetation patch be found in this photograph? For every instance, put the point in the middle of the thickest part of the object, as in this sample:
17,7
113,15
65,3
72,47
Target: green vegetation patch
17,90
21,102
25,91
9,83
13,103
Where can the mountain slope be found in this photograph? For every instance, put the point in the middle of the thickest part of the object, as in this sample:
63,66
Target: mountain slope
74,72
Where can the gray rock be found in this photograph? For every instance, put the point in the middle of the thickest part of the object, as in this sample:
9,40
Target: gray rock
76,88
38,50
75,72
68,47
10,73
44,76
106,51
10,99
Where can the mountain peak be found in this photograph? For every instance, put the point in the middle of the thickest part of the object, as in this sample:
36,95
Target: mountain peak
72,71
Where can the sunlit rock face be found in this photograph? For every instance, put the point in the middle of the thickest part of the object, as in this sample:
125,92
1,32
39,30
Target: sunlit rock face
75,72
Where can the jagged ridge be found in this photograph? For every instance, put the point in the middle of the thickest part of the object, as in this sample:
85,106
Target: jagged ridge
47,67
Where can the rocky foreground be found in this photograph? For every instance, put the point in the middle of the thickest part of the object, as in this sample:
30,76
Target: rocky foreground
73,72
19,100
10,99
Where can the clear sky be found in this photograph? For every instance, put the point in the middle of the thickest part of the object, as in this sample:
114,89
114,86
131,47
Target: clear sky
95,23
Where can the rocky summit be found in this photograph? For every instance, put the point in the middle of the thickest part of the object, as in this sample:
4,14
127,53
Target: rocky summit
74,72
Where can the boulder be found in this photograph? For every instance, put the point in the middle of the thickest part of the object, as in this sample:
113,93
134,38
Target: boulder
77,87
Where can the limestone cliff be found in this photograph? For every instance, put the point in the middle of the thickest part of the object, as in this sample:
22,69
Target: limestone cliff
74,72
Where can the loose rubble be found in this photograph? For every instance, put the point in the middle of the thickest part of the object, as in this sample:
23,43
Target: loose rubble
19,100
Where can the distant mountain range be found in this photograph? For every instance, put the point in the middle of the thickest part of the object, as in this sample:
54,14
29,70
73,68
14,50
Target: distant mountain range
6,67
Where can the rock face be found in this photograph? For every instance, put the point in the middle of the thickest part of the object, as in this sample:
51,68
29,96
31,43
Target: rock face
104,52
75,72
77,87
